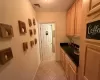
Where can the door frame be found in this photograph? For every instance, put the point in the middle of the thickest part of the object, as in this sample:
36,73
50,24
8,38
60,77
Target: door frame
41,55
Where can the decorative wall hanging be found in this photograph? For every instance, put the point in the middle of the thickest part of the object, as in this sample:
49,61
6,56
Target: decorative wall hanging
30,22
31,32
34,23
22,27
34,30
5,55
35,41
6,31
93,30
25,46
31,43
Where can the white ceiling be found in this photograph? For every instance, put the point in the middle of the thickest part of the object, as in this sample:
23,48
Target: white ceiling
52,5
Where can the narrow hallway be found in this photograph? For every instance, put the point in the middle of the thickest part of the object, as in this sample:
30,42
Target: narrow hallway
50,71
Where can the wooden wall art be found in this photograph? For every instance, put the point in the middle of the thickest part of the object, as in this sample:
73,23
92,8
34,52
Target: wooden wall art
31,32
34,31
35,40
34,23
22,27
5,55
6,31
25,46
30,22
31,43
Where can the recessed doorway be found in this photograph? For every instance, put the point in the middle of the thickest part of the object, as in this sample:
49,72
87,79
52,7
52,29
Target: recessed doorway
47,42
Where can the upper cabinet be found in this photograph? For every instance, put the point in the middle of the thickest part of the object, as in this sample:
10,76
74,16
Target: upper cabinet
74,19
68,22
94,6
78,18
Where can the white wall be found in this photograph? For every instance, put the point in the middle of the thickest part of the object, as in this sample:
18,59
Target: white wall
24,65
60,20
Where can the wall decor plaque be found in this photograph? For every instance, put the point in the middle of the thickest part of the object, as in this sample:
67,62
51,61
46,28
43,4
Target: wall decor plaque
31,32
30,22
22,27
34,23
5,55
93,30
35,41
31,43
25,46
34,30
6,31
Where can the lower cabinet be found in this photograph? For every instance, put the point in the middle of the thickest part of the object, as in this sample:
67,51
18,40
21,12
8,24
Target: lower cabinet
71,73
68,66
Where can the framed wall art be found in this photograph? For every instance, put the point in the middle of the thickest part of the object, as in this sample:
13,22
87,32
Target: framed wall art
30,32
22,27
34,30
34,22
25,46
30,22
35,40
31,43
6,31
5,55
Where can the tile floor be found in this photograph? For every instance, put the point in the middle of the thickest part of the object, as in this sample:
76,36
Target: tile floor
50,70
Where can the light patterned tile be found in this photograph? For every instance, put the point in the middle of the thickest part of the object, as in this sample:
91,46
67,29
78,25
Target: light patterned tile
50,70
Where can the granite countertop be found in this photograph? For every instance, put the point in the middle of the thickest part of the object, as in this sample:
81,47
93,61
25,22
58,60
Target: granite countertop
70,52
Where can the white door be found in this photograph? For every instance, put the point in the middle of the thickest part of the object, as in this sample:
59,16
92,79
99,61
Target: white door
46,41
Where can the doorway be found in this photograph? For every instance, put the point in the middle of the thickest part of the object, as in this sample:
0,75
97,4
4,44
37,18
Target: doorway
47,42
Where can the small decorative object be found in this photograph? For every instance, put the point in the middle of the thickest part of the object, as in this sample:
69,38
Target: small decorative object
35,41
22,27
5,55
93,30
34,31
34,23
31,32
30,22
46,32
6,31
25,46
31,43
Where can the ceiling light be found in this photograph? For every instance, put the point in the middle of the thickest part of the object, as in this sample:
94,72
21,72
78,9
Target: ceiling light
46,0
49,1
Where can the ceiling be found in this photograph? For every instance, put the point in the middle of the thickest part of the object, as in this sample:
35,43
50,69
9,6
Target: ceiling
52,5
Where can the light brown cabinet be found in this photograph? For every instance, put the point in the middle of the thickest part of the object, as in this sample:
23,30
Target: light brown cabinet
94,6
90,48
71,21
74,19
68,66
68,22
72,73
78,17
62,59
92,63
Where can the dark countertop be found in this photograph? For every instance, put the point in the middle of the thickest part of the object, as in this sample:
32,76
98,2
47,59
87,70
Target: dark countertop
70,52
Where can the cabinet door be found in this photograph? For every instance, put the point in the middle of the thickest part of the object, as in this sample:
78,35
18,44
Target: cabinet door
94,6
92,63
66,66
72,21
78,18
68,22
62,58
71,73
